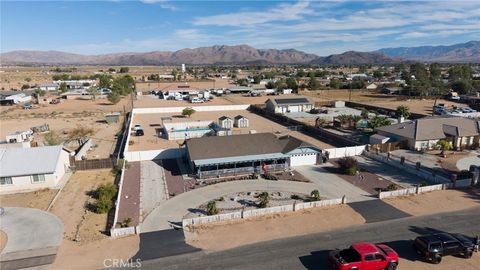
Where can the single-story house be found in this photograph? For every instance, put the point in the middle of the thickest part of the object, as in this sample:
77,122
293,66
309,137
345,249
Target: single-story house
48,87
225,122
247,153
20,136
25,169
424,133
283,105
19,98
178,91
241,121
76,84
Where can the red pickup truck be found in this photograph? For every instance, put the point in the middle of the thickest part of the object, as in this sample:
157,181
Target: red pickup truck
364,256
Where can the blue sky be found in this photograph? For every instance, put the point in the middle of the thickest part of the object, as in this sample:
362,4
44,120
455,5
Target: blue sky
323,28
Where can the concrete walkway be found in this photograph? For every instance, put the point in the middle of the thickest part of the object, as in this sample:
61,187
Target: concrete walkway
464,163
152,186
331,185
173,210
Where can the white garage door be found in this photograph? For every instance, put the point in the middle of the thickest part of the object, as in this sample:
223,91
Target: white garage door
294,108
303,159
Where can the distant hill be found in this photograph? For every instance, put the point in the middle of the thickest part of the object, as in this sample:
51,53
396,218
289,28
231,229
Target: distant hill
245,55
468,52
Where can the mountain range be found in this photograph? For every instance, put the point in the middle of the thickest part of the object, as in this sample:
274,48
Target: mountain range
244,55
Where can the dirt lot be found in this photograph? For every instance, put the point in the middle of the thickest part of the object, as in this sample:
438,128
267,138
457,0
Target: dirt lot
260,124
72,255
437,201
36,199
64,116
153,101
218,236
70,206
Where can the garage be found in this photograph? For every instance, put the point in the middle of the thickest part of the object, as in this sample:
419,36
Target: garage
303,159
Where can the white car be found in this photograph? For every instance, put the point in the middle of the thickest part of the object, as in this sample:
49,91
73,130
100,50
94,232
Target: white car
197,100
137,127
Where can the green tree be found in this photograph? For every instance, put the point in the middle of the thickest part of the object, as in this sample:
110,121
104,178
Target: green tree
264,199
364,113
270,85
335,83
444,145
315,195
403,111
188,112
462,86
25,86
40,93
242,82
93,91
292,84
377,74
124,70
123,85
212,208
313,83
257,79
63,87
378,121
113,97
105,81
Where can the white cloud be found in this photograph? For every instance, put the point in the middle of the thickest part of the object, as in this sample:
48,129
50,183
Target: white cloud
283,12
162,3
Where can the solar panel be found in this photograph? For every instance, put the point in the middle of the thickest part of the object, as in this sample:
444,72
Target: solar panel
291,100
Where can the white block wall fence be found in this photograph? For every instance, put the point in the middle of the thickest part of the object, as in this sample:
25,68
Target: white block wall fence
412,191
188,223
196,108
345,151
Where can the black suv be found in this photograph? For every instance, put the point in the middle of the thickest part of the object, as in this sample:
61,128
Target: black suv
434,246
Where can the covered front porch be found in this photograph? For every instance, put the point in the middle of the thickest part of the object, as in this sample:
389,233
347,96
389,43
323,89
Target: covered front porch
244,167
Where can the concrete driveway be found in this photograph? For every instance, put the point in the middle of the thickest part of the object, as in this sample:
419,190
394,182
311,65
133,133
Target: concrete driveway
174,209
33,237
464,163
331,185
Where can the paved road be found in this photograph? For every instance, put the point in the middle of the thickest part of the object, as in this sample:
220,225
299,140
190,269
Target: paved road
377,210
332,186
173,210
310,251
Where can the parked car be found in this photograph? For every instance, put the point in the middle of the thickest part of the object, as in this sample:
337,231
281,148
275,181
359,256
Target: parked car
55,101
435,246
137,127
197,100
139,132
363,256
27,106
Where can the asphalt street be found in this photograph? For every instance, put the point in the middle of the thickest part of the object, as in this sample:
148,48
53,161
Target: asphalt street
310,251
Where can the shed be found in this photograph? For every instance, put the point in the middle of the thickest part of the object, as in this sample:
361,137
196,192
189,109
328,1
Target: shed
378,139
241,121
112,117
225,122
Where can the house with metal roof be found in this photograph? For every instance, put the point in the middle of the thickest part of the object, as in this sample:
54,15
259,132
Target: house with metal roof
246,154
424,133
26,169
284,105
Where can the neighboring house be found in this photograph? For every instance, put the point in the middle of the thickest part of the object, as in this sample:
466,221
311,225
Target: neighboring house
424,133
241,121
25,169
20,136
247,153
76,84
372,86
283,105
19,98
225,122
48,87
178,91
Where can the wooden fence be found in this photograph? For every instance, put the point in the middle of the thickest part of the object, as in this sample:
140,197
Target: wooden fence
93,164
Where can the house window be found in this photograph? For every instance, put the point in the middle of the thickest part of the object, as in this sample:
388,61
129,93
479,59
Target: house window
38,178
6,180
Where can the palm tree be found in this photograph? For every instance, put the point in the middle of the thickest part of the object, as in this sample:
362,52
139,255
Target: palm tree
264,199
379,121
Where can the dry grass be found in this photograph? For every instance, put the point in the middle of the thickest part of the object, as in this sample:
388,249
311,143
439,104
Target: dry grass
37,199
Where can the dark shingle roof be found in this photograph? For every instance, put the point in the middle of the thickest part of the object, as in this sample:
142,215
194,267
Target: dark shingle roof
290,101
241,145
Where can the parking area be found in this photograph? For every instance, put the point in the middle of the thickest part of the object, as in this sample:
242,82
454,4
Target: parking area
151,123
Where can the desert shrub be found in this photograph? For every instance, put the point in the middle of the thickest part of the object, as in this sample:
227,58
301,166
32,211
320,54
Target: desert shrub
423,184
212,208
105,194
264,199
315,195
348,165
392,187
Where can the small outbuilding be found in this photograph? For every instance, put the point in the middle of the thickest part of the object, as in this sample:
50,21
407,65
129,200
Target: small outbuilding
241,121
225,122
284,105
